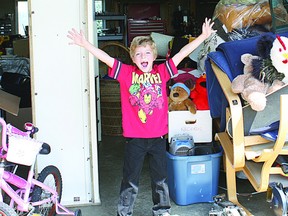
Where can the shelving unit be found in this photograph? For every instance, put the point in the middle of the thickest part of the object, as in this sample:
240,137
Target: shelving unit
6,27
114,28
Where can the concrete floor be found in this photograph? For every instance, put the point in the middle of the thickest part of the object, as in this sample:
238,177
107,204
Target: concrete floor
110,171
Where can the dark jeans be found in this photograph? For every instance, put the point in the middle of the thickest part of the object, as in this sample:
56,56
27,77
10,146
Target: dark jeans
135,152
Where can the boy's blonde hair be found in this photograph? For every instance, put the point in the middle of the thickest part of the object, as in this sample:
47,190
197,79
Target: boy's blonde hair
142,41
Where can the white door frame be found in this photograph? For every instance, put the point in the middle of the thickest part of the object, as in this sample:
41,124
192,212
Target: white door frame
63,95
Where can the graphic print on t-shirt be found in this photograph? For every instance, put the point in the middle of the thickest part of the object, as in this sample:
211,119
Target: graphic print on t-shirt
146,93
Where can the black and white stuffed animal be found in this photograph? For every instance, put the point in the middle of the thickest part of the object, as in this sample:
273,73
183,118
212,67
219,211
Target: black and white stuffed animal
273,62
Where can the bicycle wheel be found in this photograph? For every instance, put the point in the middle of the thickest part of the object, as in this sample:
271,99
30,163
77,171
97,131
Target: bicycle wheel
51,177
6,210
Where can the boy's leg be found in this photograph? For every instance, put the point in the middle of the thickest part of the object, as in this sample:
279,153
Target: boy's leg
134,155
158,169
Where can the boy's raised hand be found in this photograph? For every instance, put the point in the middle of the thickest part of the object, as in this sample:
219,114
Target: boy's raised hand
77,38
207,29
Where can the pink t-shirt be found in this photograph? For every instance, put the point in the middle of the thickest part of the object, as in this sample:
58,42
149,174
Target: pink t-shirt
144,99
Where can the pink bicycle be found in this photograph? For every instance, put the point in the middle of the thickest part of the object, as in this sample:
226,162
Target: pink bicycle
28,196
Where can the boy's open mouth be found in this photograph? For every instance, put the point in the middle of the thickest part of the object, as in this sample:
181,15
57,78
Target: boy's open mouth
144,64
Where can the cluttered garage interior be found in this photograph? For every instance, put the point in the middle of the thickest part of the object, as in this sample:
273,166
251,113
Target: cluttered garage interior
230,156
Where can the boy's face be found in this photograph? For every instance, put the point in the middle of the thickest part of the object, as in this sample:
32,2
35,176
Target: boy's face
144,58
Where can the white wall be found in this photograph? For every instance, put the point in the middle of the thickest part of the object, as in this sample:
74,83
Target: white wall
64,95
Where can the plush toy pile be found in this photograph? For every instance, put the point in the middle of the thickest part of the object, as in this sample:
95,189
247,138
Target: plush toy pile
263,74
188,92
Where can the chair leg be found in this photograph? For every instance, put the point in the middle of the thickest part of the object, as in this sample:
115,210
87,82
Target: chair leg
231,181
231,185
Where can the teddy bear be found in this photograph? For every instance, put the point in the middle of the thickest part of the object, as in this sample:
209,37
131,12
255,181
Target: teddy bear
252,89
179,98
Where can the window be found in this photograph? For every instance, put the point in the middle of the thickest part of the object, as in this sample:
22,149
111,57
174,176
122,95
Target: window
98,6
99,10
23,18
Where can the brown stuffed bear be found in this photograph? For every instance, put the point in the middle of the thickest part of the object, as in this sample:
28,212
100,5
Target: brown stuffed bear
252,89
179,98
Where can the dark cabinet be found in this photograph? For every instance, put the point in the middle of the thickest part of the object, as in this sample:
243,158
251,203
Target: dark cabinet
144,27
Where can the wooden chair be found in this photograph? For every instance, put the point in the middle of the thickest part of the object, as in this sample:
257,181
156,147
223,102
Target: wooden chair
252,154
116,50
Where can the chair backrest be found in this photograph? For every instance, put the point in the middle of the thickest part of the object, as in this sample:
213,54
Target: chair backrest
228,58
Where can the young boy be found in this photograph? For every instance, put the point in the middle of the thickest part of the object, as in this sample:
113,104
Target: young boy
144,104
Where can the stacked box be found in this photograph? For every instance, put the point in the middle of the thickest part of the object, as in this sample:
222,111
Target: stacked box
198,125
193,179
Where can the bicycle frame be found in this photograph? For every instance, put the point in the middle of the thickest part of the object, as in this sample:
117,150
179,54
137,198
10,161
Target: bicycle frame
20,196
23,204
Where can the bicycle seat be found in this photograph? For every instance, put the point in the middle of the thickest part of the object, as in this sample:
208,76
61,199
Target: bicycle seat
46,149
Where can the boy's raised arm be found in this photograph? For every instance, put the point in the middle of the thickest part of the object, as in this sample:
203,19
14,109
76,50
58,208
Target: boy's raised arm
207,30
80,40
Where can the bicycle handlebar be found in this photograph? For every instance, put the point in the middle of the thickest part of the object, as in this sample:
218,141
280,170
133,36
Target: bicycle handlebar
13,130
46,149
30,130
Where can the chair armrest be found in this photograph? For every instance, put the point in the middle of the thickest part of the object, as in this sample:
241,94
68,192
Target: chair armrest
236,155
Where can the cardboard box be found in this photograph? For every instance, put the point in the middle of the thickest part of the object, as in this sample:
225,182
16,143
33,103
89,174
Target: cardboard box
24,115
21,47
199,125
14,115
9,103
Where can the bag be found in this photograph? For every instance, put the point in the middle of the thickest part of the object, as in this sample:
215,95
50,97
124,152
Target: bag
16,84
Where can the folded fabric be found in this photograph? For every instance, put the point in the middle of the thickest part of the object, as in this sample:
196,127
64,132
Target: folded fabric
269,132
216,98
233,50
272,127
220,60
270,135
